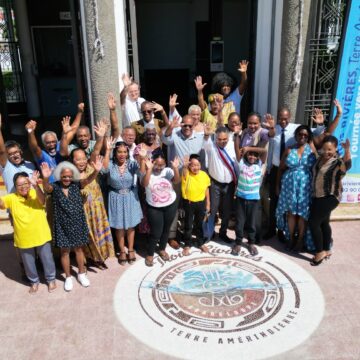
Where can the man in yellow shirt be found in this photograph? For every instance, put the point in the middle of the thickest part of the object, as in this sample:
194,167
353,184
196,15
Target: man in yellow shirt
31,230
196,201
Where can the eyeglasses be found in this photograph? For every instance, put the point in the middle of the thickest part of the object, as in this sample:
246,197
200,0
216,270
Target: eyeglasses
147,111
17,152
66,177
187,126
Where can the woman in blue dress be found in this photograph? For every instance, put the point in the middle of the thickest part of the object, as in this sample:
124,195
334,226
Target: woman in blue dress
123,200
293,207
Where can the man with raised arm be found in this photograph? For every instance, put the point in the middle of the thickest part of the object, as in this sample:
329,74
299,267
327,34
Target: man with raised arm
51,152
130,100
148,110
223,171
12,161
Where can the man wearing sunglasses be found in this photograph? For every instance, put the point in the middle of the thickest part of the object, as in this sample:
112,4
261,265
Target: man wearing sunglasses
148,110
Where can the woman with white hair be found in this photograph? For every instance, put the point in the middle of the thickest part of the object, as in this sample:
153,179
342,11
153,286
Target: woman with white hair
70,227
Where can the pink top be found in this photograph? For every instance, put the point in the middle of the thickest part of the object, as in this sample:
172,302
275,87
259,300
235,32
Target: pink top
160,192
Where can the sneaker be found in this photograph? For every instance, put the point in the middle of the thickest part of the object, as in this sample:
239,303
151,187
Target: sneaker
68,285
83,280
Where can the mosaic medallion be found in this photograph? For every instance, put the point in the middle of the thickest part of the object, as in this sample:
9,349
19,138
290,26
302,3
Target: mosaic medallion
197,306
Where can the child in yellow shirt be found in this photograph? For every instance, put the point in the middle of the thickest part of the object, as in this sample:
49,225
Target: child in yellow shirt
196,201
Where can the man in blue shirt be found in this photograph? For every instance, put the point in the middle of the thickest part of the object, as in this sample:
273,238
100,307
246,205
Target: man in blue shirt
182,140
12,162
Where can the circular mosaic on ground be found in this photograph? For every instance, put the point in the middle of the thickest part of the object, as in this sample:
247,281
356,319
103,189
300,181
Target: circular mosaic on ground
205,305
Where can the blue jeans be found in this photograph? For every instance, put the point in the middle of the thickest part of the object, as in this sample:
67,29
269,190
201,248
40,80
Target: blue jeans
28,257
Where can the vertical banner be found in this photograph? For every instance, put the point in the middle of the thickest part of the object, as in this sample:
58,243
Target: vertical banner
348,93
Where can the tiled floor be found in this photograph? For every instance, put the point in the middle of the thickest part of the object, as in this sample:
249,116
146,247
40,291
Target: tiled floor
82,324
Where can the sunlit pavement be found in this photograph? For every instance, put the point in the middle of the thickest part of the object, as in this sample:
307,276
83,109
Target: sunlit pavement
82,324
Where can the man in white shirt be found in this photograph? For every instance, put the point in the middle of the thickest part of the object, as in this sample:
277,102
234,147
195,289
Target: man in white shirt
284,138
130,101
222,168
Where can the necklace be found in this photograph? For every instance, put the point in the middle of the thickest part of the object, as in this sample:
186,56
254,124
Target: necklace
122,168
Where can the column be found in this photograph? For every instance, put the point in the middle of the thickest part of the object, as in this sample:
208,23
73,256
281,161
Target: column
101,62
295,24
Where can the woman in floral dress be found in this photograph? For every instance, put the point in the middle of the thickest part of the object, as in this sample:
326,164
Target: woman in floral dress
100,246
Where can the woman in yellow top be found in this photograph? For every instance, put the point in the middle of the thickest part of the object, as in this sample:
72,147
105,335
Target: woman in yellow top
196,201
31,230
217,113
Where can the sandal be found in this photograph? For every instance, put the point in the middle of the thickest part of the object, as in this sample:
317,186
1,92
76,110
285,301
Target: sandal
236,250
33,288
122,258
132,259
51,286
204,248
253,250
149,261
164,255
186,251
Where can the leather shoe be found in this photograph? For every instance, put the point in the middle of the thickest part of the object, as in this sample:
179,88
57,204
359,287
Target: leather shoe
174,244
225,239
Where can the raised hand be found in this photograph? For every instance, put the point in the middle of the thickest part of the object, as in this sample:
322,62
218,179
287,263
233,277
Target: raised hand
186,161
110,142
243,65
220,100
34,178
157,107
30,126
199,84
338,106
172,101
98,163
100,128
175,163
65,122
346,145
317,116
111,101
176,122
127,80
269,121
142,151
81,107
149,164
208,130
45,170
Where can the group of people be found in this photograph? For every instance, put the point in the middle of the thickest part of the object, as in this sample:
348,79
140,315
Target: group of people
156,173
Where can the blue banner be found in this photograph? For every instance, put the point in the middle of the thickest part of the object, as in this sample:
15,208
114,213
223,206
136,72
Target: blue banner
348,93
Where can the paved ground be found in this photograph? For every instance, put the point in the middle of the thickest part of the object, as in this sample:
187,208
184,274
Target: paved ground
82,324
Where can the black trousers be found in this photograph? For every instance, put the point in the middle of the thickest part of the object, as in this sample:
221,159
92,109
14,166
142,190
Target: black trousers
273,198
222,194
160,219
194,216
246,212
319,221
